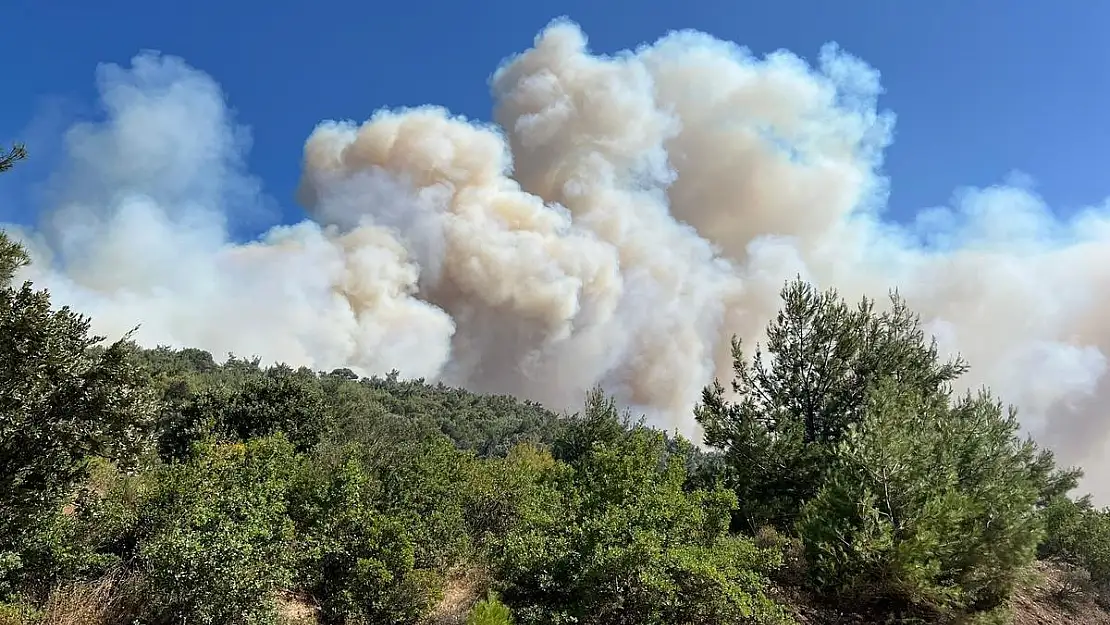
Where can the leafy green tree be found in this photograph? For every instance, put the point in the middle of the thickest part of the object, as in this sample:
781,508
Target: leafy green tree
925,505
357,561
487,424
619,540
61,403
279,399
213,540
792,407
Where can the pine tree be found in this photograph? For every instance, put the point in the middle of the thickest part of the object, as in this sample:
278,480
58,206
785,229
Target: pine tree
17,153
798,396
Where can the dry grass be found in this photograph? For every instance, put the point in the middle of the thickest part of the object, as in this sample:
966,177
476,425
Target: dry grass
17,615
118,600
110,600
297,610
1058,597
1051,595
1050,598
464,587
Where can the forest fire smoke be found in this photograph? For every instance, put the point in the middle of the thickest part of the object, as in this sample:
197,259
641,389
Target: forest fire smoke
620,220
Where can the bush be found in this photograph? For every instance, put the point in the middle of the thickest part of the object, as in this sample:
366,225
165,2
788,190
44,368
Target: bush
61,550
490,611
504,491
358,562
62,402
619,540
213,537
426,489
1078,535
925,506
18,614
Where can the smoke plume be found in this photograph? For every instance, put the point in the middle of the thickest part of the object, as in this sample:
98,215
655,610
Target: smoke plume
620,220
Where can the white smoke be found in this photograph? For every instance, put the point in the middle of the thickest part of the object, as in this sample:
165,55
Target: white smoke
621,220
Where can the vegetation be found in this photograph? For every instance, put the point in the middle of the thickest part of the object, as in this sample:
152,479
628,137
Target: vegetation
157,486
8,159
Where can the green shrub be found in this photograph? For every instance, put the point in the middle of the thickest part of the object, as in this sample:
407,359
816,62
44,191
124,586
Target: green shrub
490,611
426,489
358,562
925,506
213,537
245,406
366,572
1078,535
61,550
18,614
504,491
618,539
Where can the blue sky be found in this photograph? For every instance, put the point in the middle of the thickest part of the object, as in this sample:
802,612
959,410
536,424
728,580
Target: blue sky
980,88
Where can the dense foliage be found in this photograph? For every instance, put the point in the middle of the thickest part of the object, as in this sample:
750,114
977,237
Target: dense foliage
158,486
848,436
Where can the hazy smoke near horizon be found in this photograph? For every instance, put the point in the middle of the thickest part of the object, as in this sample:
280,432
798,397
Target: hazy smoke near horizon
623,217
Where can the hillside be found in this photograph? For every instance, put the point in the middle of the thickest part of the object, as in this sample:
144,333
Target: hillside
1047,600
840,482
391,424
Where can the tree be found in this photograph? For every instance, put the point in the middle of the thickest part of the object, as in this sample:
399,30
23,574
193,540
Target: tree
213,537
17,153
617,538
925,505
12,255
849,435
261,403
61,402
793,407
12,258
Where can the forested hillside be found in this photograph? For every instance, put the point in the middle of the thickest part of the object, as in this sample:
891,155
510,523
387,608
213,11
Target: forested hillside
841,481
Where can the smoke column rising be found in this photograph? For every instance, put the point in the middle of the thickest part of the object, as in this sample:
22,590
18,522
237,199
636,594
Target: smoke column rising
623,217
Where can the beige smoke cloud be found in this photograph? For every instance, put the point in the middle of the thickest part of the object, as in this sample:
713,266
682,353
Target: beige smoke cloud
621,219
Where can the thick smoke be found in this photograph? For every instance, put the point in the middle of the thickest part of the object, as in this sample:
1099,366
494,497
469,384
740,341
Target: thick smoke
621,220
